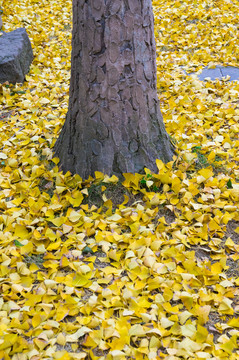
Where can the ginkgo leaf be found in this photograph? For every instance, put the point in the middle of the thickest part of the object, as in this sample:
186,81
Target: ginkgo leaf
79,333
21,231
189,345
230,345
61,339
3,155
225,306
136,330
79,280
237,230
74,216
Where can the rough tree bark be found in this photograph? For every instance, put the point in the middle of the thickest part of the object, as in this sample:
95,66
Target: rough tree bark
114,123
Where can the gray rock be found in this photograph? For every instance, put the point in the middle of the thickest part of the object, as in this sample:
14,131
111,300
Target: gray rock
15,56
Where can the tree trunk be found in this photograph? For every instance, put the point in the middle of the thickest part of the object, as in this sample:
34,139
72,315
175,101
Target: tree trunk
114,123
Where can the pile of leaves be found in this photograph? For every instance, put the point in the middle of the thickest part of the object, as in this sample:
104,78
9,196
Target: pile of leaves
147,268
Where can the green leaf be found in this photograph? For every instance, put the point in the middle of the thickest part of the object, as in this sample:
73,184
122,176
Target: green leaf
196,148
229,184
143,182
87,250
17,92
17,243
155,188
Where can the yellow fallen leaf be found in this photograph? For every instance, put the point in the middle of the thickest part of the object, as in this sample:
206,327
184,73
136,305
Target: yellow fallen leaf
36,320
115,217
79,333
74,216
61,339
136,330
3,156
183,316
189,345
21,232
79,280
230,345
237,230
225,306
166,323
7,341
44,101
66,228
41,344
201,334
188,330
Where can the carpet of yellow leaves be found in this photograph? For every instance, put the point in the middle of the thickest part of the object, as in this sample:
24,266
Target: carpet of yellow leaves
153,279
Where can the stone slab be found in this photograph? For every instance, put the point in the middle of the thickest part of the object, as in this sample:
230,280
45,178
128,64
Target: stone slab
218,73
15,56
213,74
232,71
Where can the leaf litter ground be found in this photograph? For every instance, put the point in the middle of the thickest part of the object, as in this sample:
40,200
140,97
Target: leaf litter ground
143,269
